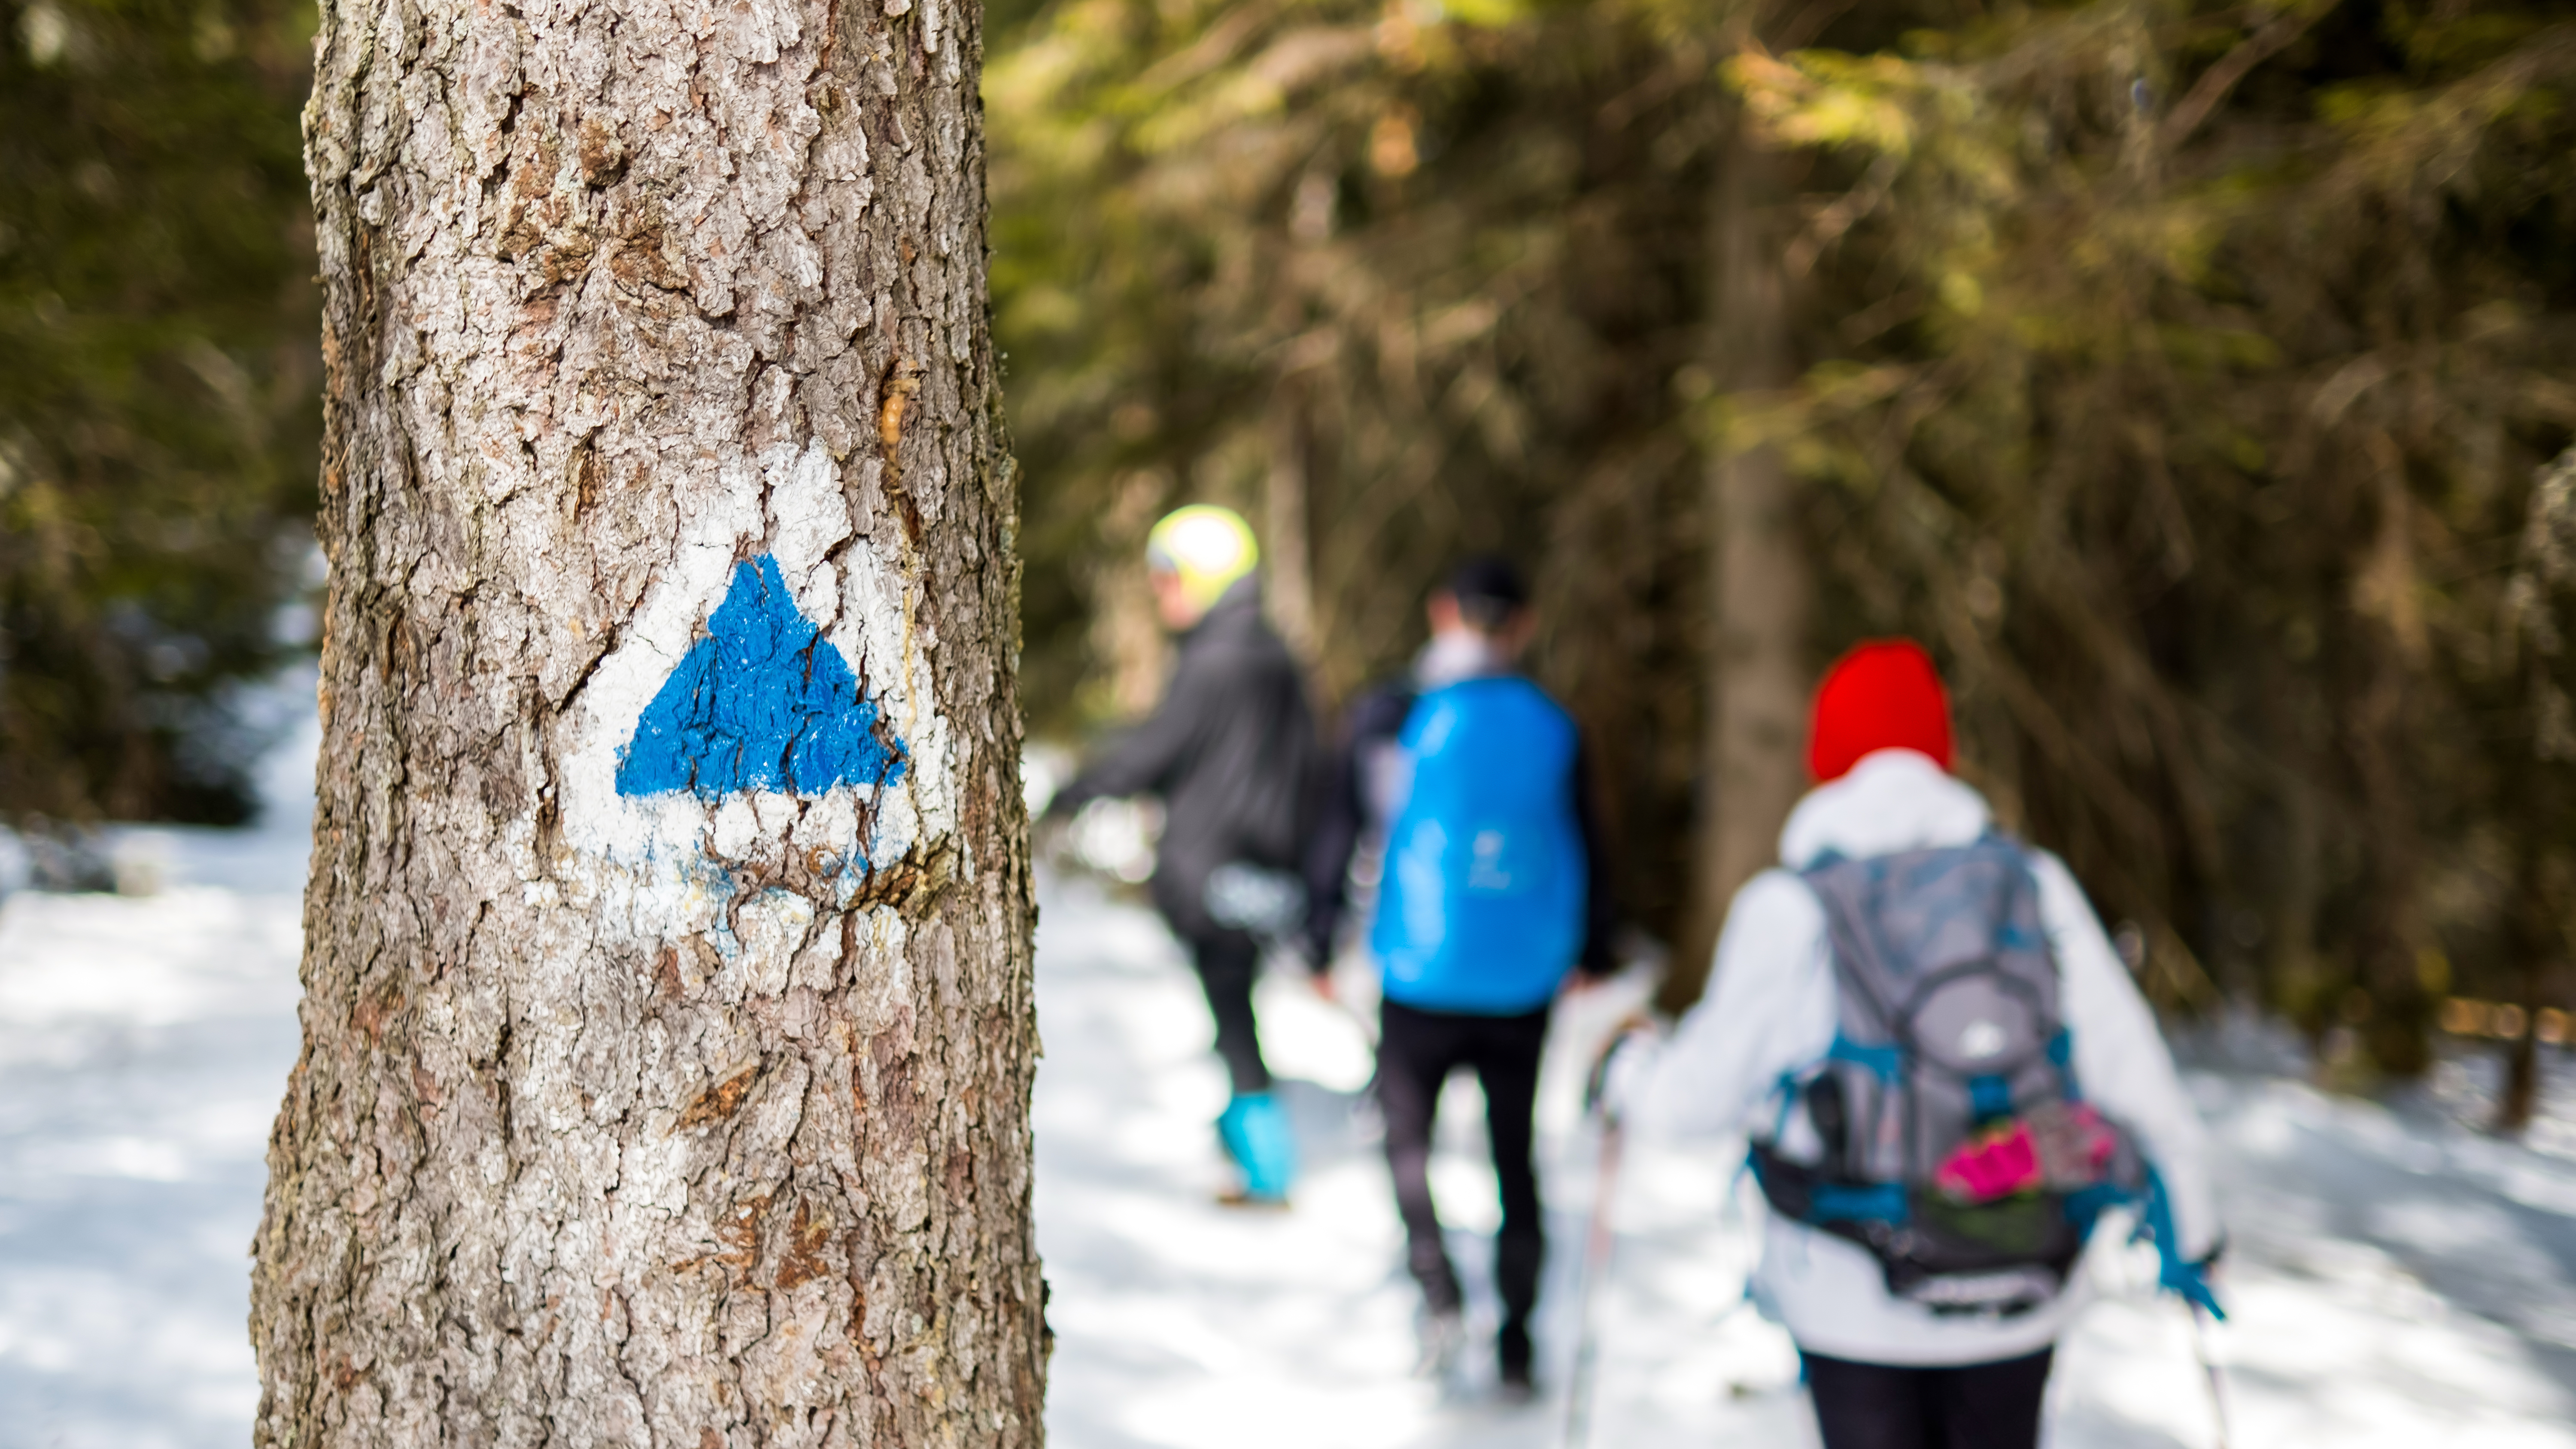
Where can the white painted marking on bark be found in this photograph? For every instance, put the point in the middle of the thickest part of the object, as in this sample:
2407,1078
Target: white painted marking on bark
657,867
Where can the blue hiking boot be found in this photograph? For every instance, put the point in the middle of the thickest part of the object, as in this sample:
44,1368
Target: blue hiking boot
1256,1134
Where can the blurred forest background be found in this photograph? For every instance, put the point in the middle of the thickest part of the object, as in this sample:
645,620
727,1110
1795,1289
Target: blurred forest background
2196,379
159,360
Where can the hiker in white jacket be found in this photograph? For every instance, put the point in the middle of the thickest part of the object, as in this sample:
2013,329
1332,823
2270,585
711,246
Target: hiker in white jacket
1887,1371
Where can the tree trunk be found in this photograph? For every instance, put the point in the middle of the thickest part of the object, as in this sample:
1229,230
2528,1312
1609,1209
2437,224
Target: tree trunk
2390,943
2542,605
1288,575
667,1019
1132,653
2528,950
1752,766
2520,1097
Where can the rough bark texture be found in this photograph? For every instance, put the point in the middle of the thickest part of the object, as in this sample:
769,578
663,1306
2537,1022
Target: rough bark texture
1752,764
630,1111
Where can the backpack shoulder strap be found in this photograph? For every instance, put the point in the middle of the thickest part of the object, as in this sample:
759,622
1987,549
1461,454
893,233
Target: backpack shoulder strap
1847,890
1890,918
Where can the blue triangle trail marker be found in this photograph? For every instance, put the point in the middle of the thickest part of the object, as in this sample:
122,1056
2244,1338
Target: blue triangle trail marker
763,702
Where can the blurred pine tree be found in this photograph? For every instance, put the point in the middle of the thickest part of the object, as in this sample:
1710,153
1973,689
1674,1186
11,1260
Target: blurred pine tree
2177,370
1418,275
2181,371
158,413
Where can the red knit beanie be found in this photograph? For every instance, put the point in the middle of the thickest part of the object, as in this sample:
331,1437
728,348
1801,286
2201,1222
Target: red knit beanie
1884,694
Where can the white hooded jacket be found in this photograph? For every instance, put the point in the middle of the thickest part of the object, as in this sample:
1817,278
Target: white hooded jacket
1771,1010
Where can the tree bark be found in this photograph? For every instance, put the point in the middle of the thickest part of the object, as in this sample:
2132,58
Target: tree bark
667,1022
1761,583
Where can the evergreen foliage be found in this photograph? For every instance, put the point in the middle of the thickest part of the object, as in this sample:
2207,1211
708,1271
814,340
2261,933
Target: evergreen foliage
2178,371
2184,373
157,394
2208,357
1429,272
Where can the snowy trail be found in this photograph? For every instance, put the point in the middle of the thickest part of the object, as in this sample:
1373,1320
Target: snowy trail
2394,1281
2397,1281
1180,1322
144,1046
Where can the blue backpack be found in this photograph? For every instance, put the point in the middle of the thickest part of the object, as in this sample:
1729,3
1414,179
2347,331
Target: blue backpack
1480,908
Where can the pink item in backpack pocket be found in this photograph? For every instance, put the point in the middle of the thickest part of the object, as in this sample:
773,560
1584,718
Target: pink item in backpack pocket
2061,1146
1999,1164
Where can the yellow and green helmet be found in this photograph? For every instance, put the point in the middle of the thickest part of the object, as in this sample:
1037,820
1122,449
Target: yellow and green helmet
1206,546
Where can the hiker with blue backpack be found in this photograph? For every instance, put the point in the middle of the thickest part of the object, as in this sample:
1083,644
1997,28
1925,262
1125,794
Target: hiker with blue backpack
1231,751
1469,781
1945,1074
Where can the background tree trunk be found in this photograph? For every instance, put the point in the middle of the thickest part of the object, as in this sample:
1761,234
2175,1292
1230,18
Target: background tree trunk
1288,579
668,1035
2540,607
2395,1007
1126,635
1762,586
2528,936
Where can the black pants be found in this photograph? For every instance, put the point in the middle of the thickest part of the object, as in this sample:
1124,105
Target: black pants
1228,961
1416,1051
1974,1406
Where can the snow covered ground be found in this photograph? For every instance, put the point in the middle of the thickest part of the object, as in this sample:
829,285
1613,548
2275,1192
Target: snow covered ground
144,1045
2397,1280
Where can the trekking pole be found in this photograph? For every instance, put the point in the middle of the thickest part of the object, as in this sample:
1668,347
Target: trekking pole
1596,1266
2208,1369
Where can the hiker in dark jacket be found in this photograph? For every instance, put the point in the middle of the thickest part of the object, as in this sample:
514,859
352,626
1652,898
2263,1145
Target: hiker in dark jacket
1472,783
1230,750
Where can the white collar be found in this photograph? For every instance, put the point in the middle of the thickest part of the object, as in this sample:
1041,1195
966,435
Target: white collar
1458,655
1894,799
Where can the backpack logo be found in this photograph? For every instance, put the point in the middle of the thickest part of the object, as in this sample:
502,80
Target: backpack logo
1981,1040
1485,868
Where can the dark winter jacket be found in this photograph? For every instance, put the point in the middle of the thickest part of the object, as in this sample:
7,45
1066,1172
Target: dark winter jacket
1346,814
1232,752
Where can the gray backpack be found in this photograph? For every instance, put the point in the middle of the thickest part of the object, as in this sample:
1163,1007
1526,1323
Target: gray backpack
1955,1145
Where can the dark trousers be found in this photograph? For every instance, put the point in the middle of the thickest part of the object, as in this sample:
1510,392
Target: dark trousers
1228,961
1416,1051
1974,1406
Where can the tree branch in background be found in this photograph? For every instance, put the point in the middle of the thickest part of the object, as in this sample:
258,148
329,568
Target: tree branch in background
2206,93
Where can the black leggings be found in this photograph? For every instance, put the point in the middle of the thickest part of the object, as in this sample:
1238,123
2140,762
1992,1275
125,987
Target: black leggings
1416,1051
1973,1406
1228,961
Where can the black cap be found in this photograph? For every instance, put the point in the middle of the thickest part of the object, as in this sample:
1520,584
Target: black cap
1489,590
